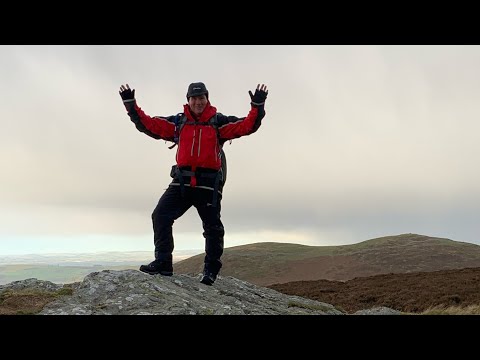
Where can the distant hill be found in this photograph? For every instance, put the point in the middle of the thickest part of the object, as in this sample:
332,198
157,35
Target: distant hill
270,263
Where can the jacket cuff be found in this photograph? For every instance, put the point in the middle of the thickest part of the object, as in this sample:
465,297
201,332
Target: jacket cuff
129,104
257,105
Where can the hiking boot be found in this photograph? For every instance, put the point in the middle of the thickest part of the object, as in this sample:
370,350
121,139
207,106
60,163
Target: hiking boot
208,277
158,267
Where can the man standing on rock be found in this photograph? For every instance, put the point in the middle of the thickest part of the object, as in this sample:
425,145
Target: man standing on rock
198,178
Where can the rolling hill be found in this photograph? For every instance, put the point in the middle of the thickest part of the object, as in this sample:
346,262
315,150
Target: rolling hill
271,263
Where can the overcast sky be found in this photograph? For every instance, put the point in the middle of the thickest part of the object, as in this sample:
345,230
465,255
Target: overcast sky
358,142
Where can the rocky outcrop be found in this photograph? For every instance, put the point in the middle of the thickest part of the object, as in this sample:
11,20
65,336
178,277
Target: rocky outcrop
132,292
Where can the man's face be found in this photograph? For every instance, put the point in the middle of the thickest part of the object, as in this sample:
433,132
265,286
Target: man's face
197,104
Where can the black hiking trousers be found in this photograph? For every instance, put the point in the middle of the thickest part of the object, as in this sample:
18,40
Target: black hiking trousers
172,205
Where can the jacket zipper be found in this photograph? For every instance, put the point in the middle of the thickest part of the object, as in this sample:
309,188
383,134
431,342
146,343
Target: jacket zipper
193,142
199,142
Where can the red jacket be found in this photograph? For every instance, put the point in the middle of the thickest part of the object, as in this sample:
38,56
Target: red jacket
198,141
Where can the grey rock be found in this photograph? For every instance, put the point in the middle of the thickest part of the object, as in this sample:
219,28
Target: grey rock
381,310
31,284
132,292
125,292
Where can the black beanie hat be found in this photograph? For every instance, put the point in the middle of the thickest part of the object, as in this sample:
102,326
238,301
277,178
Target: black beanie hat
197,89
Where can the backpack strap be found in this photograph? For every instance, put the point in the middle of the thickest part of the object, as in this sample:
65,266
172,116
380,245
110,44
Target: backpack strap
214,122
179,122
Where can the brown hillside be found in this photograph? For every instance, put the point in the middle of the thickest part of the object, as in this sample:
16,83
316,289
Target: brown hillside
270,263
414,292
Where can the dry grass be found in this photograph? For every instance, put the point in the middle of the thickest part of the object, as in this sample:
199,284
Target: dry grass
28,301
446,291
453,310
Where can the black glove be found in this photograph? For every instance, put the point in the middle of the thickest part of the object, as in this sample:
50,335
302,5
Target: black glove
127,94
259,97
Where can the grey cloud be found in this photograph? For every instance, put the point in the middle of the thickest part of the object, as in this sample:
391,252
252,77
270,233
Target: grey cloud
366,139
